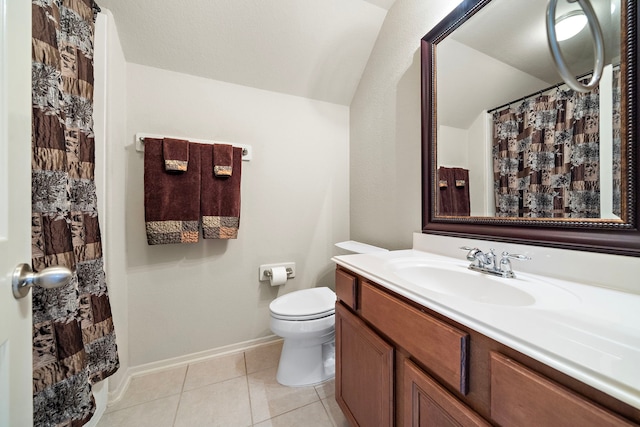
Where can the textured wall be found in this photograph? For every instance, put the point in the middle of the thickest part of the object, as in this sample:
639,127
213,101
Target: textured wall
385,129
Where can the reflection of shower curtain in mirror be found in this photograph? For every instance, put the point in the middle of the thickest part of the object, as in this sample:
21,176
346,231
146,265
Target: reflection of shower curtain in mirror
617,145
73,335
546,155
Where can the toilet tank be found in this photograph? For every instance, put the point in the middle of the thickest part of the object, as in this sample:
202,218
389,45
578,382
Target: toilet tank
353,247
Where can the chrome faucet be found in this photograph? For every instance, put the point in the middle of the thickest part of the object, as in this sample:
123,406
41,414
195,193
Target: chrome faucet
488,262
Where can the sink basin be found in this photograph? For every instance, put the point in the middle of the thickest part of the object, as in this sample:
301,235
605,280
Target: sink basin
457,280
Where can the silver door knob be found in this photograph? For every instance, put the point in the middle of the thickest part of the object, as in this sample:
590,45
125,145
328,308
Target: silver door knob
49,278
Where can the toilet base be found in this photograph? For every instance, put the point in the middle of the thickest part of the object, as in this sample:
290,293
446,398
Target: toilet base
305,365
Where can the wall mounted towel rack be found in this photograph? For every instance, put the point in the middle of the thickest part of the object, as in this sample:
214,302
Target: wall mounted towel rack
247,151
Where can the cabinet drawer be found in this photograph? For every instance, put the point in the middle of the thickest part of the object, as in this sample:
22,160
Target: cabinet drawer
346,289
521,397
427,403
433,343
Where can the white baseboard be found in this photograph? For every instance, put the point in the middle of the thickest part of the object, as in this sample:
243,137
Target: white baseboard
162,365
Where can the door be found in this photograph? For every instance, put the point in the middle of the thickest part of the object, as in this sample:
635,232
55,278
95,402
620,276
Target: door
15,210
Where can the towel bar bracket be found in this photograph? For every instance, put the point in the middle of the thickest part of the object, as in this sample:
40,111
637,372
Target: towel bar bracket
247,151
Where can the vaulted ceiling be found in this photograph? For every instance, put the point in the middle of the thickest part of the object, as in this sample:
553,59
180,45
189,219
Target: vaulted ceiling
316,49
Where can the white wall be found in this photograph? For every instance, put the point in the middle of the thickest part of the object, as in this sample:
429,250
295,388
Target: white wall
376,138
470,149
295,205
453,147
470,81
481,167
110,120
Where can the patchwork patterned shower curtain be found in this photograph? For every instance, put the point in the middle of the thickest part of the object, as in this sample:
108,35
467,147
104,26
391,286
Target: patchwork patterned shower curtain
546,157
73,335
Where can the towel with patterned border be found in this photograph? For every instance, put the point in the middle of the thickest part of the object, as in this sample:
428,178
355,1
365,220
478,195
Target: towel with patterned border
176,154
222,160
220,197
171,201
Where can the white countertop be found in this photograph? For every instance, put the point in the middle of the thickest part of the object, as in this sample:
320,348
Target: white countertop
587,332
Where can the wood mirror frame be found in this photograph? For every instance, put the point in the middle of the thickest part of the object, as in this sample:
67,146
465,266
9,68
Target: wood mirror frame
605,236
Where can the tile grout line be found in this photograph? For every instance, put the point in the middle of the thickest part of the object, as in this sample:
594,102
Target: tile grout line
246,378
184,381
326,410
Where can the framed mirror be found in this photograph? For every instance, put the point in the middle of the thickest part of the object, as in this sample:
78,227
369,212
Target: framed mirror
510,152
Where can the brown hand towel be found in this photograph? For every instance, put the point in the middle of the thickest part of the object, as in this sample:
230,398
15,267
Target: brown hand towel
176,154
220,197
445,184
461,203
171,201
223,160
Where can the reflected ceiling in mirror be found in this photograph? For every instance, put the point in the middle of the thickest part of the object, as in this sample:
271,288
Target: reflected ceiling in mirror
512,153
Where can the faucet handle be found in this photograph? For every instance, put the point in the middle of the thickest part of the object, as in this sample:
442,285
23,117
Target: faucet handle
475,255
506,255
505,263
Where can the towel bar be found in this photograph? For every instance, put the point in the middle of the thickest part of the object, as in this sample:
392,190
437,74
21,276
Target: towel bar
247,151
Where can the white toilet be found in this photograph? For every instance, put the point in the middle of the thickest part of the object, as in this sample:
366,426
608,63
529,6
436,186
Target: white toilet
306,321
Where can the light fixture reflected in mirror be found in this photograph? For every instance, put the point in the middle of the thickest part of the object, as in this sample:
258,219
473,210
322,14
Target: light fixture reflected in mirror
570,24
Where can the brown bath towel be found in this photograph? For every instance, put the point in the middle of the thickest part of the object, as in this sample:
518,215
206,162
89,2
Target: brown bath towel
223,160
171,200
176,154
220,197
453,193
461,201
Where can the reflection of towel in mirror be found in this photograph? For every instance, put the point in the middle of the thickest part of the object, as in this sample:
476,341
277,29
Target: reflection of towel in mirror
453,197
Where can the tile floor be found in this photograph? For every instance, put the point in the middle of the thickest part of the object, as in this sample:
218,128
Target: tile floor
227,391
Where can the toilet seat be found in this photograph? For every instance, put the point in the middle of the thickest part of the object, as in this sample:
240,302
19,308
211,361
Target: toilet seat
306,304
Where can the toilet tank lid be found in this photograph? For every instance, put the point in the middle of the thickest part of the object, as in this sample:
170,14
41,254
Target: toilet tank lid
359,247
304,302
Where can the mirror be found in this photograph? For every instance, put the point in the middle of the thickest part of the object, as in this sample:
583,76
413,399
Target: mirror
511,153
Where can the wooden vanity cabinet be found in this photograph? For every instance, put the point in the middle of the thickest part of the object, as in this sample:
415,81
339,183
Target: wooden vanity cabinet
364,372
524,398
400,364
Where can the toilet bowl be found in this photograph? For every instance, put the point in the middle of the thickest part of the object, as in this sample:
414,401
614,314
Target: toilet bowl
306,321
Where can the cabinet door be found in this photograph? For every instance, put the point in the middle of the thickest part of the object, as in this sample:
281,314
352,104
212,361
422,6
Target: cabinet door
524,398
428,404
364,372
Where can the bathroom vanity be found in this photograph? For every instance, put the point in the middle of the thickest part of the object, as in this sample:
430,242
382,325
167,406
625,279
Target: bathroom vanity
423,341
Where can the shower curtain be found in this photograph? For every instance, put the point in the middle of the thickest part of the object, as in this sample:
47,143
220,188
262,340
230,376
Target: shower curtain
73,336
546,157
